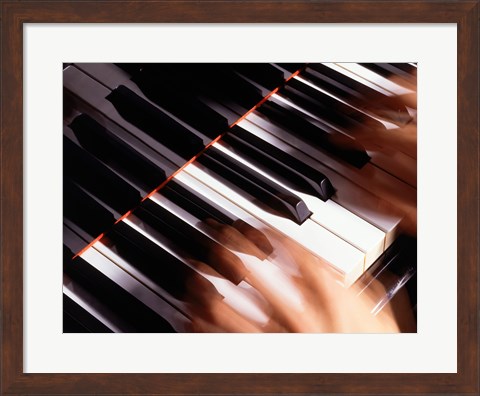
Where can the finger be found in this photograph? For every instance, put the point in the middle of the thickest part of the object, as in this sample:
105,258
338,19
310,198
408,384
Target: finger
401,139
410,99
199,325
322,285
285,312
272,326
226,263
234,239
225,318
199,291
256,236
203,268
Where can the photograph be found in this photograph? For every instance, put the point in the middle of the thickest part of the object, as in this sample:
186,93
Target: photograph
240,197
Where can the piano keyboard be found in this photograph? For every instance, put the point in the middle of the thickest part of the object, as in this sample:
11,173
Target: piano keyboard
157,157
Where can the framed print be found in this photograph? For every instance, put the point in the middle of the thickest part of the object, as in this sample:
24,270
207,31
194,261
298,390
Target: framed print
56,58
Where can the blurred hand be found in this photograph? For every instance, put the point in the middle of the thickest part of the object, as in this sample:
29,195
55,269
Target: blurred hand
403,139
324,306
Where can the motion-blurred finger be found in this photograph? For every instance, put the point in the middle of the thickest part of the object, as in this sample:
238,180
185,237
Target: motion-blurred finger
234,239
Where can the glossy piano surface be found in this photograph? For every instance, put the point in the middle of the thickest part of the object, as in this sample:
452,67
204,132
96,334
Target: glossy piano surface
168,166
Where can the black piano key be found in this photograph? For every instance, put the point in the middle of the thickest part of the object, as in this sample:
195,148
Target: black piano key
72,242
84,211
350,90
163,90
328,108
96,178
195,204
336,143
117,154
195,243
264,190
159,265
326,71
279,163
154,122
76,319
88,96
318,180
139,317
264,74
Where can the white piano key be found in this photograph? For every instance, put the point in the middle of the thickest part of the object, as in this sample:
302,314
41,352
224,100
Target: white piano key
358,200
346,259
137,289
332,216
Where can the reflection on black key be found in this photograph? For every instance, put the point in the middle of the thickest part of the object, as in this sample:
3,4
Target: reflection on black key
320,182
264,190
280,164
72,243
406,67
138,316
159,265
336,143
156,123
117,154
85,211
191,240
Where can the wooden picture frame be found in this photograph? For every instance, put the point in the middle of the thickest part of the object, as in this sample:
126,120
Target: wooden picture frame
15,14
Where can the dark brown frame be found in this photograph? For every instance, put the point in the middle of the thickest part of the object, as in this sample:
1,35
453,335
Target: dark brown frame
15,13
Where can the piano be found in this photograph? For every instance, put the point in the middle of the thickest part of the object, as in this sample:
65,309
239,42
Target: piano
157,156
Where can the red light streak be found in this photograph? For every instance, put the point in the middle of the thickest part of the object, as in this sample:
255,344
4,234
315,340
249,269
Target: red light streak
88,246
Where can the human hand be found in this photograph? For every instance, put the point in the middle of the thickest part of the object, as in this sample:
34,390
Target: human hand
321,304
